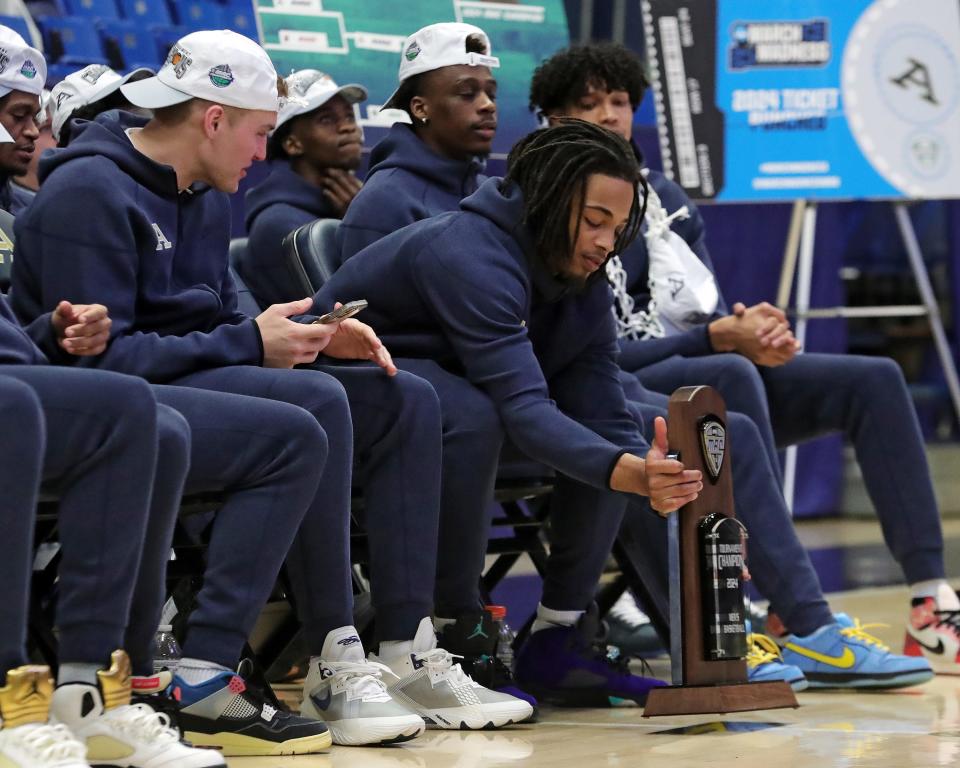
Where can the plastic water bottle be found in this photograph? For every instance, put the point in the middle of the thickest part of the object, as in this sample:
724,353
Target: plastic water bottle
505,635
168,653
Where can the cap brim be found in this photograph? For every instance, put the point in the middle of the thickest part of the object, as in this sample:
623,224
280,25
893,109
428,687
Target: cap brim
392,102
352,93
116,85
152,94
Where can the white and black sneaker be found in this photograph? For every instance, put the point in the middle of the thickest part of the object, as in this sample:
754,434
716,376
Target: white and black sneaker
347,692
229,715
427,681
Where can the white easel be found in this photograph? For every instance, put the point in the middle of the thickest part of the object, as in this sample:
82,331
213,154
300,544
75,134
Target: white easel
798,262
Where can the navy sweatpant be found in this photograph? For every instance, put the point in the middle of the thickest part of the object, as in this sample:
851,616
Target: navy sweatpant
266,457
22,441
395,434
472,438
778,563
583,520
866,399
94,434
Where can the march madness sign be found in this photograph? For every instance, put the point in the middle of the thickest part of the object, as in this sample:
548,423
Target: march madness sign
812,99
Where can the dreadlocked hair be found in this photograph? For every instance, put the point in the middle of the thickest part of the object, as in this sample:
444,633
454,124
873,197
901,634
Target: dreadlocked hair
566,76
551,167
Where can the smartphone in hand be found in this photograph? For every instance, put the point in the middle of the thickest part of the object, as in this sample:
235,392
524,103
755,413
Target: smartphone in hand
346,311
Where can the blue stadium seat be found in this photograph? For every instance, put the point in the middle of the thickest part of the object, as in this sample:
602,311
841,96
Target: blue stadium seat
147,12
71,41
96,9
198,14
56,72
18,24
240,18
131,43
164,36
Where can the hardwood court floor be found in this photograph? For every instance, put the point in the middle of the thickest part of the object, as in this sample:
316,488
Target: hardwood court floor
911,727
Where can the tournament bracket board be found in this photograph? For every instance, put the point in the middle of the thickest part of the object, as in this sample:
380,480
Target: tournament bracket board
360,41
813,99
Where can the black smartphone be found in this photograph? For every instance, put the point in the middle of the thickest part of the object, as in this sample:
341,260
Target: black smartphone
346,311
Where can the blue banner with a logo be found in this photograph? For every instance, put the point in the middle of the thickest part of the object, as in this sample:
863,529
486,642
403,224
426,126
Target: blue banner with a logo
814,99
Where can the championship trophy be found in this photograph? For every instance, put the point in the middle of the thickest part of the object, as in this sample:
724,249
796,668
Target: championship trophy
707,549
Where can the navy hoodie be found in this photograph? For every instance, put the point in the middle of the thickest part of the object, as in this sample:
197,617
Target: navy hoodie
14,198
108,226
494,315
283,202
634,353
407,182
19,346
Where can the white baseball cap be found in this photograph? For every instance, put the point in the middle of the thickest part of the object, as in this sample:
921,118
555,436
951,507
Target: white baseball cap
86,86
217,65
310,89
437,46
22,67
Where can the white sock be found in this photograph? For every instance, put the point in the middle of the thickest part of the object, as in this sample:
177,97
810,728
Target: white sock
938,589
197,671
394,649
548,617
78,673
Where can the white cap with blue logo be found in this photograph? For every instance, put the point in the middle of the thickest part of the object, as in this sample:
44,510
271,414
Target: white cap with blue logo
217,65
22,68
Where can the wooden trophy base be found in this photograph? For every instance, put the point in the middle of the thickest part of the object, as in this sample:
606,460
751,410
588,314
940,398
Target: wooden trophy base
719,699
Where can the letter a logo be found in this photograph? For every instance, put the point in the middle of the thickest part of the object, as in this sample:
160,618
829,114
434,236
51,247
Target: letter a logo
919,76
162,243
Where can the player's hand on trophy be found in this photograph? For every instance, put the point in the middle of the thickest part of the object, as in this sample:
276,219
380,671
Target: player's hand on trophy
665,481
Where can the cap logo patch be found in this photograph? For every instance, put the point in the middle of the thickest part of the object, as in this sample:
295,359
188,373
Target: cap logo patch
4,60
93,73
413,50
180,60
221,76
28,70
304,84
62,98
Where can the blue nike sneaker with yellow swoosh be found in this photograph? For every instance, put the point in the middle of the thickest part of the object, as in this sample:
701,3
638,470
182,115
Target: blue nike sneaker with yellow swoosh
845,655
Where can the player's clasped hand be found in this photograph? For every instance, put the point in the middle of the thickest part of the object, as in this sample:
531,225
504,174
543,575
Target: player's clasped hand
287,343
81,329
670,485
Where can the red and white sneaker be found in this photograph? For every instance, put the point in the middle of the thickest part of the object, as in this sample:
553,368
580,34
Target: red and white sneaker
935,635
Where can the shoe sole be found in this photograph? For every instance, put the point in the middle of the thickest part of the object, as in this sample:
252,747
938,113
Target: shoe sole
892,680
480,720
367,732
237,745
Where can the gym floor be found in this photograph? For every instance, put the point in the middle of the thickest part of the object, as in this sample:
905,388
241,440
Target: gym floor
909,727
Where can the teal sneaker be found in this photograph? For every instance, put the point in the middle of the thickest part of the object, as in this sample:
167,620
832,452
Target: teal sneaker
765,664
845,655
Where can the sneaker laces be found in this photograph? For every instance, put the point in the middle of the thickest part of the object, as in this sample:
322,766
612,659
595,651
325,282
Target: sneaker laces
626,611
144,724
362,679
859,632
442,661
762,650
50,742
